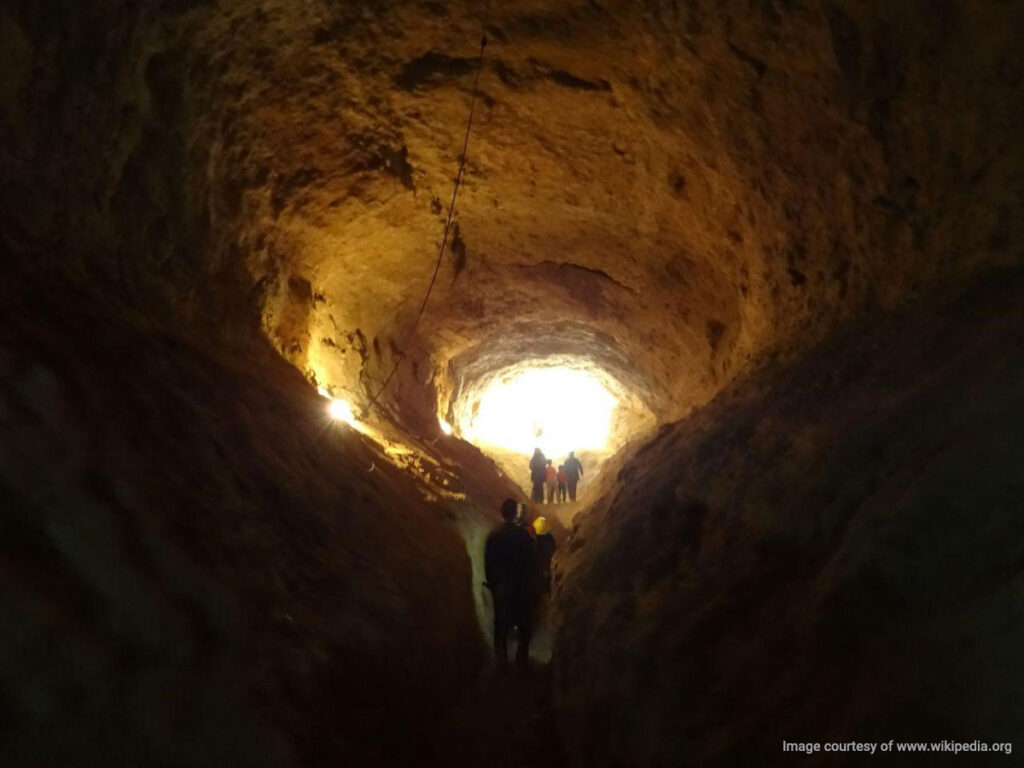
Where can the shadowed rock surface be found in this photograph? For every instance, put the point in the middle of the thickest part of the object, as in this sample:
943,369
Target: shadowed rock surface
818,555
192,553
785,233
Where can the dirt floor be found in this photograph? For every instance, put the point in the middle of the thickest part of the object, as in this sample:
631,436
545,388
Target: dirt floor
505,721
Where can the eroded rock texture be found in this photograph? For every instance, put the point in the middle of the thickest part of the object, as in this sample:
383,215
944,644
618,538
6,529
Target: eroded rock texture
830,552
197,193
200,569
668,189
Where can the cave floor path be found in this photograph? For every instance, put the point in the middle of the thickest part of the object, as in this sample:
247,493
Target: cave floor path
505,721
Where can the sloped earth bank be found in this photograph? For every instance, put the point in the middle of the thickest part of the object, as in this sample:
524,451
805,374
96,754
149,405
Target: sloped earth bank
829,551
199,570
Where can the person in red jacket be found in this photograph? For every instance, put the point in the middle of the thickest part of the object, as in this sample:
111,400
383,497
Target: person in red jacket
551,482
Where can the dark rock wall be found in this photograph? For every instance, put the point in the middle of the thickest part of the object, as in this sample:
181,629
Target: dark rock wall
101,181
680,190
202,569
198,568
828,551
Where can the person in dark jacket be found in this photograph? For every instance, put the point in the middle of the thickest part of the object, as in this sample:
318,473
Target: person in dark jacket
538,475
511,568
573,473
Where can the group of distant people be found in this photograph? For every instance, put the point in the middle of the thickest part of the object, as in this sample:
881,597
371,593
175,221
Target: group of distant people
517,566
551,483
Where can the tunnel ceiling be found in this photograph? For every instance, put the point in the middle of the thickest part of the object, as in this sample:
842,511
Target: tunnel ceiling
666,191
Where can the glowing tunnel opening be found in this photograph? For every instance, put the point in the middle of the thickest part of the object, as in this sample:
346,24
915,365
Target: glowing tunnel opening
555,409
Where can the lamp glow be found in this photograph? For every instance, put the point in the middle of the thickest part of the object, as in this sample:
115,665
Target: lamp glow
339,410
445,426
556,409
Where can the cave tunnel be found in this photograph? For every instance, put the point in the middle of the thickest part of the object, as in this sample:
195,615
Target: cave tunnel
770,248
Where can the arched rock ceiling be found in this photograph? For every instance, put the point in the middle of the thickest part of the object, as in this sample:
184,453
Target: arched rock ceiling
669,190
698,182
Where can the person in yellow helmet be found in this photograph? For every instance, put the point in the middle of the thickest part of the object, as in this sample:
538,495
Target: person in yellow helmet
546,547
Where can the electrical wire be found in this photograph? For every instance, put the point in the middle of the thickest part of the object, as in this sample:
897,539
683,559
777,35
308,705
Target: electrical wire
451,212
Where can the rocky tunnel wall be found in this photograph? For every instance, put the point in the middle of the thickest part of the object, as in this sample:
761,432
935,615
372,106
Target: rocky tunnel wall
694,188
829,552
705,183
199,569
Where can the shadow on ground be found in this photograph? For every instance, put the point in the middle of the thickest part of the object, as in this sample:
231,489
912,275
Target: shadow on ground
505,721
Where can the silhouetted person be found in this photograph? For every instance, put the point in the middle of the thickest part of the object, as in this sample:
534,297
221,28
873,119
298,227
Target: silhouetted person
522,519
510,563
538,474
562,479
546,547
573,473
550,482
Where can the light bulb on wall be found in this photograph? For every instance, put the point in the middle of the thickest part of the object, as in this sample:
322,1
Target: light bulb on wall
339,410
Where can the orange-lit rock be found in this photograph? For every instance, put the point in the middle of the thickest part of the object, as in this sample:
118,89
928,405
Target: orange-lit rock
675,196
668,191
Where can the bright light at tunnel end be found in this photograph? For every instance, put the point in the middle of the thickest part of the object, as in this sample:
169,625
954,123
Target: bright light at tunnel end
555,409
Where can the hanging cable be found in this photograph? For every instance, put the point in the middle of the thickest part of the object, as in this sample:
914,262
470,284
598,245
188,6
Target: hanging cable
451,210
